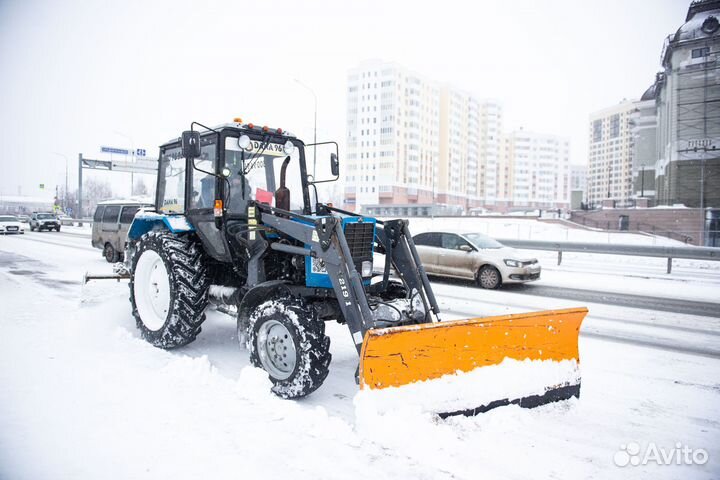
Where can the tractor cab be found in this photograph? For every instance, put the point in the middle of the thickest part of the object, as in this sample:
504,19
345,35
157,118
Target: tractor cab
232,167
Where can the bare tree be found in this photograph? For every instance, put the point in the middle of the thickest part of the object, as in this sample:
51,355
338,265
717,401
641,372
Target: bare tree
95,191
140,187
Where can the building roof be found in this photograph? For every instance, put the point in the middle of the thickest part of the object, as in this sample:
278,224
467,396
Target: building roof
649,93
701,21
699,6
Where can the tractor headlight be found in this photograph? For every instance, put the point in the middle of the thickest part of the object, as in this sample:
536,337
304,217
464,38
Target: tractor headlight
288,148
244,142
511,263
366,268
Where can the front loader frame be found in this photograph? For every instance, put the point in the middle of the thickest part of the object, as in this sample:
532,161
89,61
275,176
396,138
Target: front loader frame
324,238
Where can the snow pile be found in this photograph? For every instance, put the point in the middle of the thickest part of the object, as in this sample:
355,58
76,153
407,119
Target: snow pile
512,379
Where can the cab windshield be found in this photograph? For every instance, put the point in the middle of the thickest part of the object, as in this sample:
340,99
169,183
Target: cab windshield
256,173
45,216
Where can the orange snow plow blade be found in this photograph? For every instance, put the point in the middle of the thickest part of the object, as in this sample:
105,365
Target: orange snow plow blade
535,358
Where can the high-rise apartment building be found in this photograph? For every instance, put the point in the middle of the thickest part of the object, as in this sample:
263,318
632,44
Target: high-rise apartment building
457,179
538,170
490,172
392,136
610,154
416,148
578,178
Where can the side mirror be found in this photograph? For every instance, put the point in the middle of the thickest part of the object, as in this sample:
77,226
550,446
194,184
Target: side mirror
466,248
191,144
334,165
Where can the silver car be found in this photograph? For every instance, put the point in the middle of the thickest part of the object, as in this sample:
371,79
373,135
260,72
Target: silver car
474,256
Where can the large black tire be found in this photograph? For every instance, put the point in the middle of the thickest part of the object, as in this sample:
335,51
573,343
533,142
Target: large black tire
185,267
111,255
489,277
299,334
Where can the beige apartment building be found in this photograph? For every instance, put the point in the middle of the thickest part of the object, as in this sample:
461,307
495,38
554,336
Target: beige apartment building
610,154
392,136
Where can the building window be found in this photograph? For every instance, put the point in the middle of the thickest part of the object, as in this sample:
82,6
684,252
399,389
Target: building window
615,126
597,130
700,52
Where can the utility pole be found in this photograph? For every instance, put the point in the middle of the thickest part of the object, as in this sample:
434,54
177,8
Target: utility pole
315,125
132,156
702,184
79,200
609,174
65,197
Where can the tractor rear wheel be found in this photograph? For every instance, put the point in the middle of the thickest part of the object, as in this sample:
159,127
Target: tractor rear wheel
169,288
287,340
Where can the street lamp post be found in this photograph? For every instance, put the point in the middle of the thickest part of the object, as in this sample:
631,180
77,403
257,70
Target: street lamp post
315,124
65,197
132,155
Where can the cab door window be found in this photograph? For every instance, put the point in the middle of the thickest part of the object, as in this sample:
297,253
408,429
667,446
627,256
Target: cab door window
203,182
171,181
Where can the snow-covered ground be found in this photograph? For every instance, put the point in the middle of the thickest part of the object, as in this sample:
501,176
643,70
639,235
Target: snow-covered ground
83,396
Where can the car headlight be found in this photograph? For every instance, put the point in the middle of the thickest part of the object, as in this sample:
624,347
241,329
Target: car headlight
511,263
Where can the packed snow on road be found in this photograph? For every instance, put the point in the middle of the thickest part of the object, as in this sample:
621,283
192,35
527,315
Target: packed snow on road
84,396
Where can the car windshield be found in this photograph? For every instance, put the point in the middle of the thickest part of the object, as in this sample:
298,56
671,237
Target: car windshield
45,216
483,241
8,219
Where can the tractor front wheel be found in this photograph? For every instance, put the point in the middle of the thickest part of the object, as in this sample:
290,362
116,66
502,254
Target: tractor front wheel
169,288
287,340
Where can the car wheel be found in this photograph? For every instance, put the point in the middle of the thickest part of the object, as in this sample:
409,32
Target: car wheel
111,255
489,277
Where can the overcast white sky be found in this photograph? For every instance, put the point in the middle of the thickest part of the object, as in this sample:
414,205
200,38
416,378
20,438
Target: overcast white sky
79,74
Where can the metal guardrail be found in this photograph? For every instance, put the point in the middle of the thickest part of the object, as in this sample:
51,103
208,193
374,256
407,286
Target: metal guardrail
693,253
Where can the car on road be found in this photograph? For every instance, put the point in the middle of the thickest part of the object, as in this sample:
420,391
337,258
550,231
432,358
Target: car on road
111,223
44,221
64,219
23,218
474,256
10,224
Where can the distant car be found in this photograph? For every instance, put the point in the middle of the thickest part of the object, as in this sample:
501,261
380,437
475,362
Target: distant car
64,219
111,223
44,221
23,218
474,256
10,224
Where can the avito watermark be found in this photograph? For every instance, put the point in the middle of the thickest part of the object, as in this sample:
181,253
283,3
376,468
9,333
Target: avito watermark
631,454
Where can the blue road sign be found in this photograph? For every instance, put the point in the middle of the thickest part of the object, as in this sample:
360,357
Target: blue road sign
120,151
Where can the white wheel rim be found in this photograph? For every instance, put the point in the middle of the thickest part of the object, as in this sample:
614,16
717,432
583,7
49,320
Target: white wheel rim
276,349
152,290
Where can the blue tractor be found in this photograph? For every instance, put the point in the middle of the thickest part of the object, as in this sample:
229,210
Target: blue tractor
237,221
